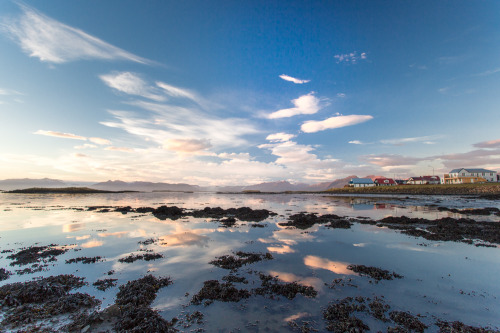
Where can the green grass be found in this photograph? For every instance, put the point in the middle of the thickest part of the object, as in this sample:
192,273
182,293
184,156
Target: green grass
484,188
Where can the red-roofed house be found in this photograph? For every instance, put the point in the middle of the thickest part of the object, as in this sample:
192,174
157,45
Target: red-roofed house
384,182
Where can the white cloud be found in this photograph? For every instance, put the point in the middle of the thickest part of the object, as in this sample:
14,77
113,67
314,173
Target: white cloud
279,137
52,41
341,95
294,80
489,72
131,84
313,126
186,145
235,156
61,135
352,57
356,142
306,104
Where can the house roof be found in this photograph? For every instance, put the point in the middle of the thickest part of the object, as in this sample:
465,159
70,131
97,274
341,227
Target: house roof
384,181
361,181
428,178
471,170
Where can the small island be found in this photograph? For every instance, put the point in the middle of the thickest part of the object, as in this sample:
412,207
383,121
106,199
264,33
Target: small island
63,190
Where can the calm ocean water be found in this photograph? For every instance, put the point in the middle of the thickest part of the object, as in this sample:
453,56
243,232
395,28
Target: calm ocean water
442,280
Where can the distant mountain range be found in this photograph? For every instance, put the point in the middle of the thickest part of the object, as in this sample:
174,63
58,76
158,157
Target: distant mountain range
118,185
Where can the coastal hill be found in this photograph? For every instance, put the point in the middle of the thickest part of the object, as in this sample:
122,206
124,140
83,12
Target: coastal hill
118,185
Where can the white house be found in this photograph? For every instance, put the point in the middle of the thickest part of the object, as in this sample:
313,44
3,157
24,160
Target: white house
361,182
464,176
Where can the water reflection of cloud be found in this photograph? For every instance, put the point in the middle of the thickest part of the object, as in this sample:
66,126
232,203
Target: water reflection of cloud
79,237
412,247
72,227
359,244
297,316
337,267
92,243
117,234
186,238
314,282
280,249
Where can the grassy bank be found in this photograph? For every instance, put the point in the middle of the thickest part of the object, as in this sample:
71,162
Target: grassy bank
457,189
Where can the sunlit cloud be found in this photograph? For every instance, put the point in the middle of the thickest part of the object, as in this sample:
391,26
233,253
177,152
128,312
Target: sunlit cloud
305,104
488,144
60,135
280,137
52,41
352,57
117,234
100,141
390,160
292,79
337,267
186,145
235,156
356,142
313,126
120,149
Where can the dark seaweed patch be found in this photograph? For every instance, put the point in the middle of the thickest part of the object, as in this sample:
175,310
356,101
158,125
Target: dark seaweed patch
340,316
4,274
374,272
105,284
85,260
213,290
240,259
36,254
408,321
146,256
272,286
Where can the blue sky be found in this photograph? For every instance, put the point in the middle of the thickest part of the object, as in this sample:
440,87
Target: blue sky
243,92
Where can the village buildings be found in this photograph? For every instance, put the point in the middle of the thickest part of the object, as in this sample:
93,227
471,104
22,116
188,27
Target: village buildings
467,176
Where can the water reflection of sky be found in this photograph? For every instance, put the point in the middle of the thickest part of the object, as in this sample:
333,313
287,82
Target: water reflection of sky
435,272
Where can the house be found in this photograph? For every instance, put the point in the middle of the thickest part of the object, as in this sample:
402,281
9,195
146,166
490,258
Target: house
384,182
467,176
361,182
424,180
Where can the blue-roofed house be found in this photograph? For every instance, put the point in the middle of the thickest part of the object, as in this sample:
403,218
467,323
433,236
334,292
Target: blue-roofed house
361,182
469,175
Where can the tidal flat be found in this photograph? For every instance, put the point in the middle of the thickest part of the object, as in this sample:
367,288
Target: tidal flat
153,262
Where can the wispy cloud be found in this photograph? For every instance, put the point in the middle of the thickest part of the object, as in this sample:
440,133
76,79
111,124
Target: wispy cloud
99,141
305,104
391,160
131,84
430,139
357,142
61,135
280,137
313,126
85,146
488,144
52,41
187,145
341,95
294,80
178,92
351,58
489,72
120,149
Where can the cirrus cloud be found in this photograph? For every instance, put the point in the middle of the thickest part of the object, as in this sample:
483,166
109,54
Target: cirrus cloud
52,41
61,135
313,126
186,145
